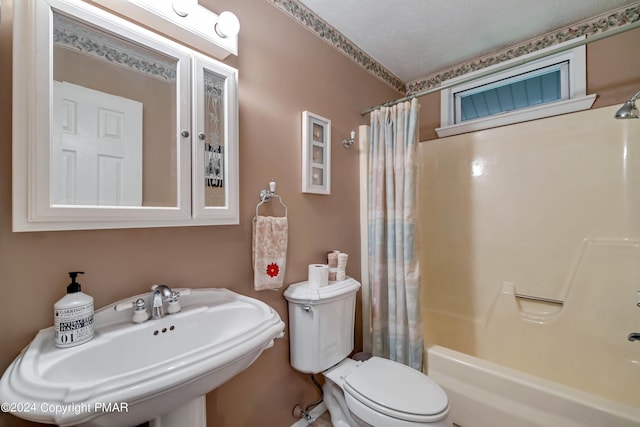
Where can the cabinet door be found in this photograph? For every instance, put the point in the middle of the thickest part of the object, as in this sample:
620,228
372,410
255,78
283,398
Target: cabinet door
99,110
215,142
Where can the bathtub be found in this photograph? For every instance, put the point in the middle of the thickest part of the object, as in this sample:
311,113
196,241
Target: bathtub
486,394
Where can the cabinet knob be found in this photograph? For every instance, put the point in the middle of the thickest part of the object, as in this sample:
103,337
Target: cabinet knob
201,136
185,133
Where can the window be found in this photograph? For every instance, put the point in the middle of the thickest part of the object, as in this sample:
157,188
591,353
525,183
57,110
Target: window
525,90
541,88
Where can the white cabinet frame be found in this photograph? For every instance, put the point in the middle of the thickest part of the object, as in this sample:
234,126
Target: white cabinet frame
32,100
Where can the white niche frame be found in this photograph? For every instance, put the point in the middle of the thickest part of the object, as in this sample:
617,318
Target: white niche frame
316,154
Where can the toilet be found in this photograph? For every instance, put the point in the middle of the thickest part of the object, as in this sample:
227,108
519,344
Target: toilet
376,392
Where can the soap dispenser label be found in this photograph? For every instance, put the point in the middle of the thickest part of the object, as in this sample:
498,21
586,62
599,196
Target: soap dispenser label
73,326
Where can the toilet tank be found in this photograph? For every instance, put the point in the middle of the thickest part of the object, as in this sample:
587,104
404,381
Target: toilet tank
321,322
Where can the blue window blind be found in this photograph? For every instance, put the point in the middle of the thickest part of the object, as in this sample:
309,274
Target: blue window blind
526,90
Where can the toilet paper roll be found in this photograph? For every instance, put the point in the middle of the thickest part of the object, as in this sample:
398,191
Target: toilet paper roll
332,257
318,275
342,261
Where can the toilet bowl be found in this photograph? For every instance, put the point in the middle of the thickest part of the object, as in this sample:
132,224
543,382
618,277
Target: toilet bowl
376,392
382,393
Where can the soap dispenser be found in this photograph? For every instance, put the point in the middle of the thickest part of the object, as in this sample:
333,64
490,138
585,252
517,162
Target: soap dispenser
73,316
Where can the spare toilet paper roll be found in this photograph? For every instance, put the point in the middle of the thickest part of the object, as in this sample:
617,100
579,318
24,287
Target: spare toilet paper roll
332,257
342,261
318,275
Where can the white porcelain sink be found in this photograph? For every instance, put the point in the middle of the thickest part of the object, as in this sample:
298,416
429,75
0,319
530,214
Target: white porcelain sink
141,370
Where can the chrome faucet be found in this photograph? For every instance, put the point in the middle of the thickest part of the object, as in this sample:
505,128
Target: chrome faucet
164,301
160,293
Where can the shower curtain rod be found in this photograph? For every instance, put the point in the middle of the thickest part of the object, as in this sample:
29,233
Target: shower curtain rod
516,63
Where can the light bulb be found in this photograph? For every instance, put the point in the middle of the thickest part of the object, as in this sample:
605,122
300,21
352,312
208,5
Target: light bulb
183,7
228,25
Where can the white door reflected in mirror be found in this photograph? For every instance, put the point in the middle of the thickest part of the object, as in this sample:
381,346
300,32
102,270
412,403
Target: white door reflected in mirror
96,148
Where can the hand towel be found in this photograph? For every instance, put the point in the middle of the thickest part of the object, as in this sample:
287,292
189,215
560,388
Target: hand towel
269,252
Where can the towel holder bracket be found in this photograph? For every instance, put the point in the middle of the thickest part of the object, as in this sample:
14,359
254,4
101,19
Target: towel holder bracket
267,194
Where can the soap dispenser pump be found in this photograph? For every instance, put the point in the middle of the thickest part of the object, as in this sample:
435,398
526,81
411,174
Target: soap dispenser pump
73,316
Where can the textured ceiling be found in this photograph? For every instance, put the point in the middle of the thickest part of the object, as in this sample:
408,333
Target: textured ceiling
417,38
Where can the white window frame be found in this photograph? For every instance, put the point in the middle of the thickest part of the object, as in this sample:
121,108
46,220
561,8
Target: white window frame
575,88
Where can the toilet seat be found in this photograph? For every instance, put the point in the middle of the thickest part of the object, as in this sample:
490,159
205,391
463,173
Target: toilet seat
394,390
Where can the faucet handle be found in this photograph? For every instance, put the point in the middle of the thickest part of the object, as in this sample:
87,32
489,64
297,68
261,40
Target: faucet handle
125,305
180,292
174,306
139,304
170,293
140,314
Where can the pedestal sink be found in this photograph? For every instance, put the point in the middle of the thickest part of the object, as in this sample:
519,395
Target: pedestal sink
130,373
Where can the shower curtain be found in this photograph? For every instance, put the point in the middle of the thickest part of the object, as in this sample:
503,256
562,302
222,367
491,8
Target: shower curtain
394,273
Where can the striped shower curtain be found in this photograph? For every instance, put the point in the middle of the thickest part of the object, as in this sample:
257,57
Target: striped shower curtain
394,272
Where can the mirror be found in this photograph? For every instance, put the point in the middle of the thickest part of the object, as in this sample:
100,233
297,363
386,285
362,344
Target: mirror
113,112
217,125
214,86
116,126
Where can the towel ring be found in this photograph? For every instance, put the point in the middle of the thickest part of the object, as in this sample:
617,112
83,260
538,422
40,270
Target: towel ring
267,195
265,201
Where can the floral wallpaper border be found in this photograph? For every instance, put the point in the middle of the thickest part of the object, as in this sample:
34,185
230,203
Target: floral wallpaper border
75,36
336,39
599,24
617,18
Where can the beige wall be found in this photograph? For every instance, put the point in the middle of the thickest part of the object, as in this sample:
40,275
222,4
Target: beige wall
283,70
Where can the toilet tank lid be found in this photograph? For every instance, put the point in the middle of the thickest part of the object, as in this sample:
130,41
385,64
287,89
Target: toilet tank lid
396,389
304,292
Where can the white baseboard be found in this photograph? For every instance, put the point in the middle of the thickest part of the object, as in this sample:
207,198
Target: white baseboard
315,413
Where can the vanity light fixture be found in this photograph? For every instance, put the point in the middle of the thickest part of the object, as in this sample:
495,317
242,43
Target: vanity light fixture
348,142
228,25
185,20
629,109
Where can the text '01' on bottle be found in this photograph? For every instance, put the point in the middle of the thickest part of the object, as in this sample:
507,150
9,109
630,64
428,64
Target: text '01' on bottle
73,316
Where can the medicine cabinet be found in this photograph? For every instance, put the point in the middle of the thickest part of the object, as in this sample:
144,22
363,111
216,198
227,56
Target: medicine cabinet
115,126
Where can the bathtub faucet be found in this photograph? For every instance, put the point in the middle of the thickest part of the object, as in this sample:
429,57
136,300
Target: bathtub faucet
634,336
